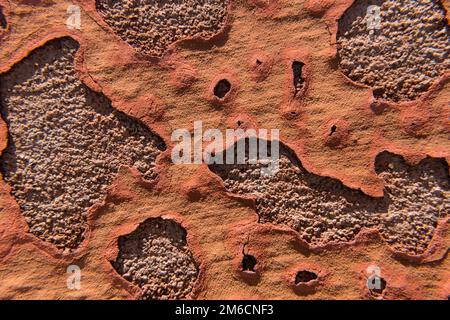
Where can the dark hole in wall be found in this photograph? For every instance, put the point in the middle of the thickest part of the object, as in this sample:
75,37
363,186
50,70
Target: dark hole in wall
305,276
3,22
382,286
333,129
248,263
222,88
378,93
299,81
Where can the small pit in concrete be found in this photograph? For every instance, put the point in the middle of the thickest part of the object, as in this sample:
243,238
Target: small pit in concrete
379,284
222,88
305,276
333,129
299,81
249,263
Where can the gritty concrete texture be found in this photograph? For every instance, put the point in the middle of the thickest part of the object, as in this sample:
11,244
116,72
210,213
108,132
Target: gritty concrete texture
156,258
337,130
417,198
322,210
66,143
406,53
152,26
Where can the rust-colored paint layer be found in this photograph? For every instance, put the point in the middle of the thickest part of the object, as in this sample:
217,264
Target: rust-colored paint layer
174,91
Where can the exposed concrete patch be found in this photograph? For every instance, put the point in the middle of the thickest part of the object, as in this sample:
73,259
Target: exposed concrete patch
66,143
402,58
323,210
152,26
157,258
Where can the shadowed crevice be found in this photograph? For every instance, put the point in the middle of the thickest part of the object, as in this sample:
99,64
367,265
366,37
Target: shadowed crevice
3,22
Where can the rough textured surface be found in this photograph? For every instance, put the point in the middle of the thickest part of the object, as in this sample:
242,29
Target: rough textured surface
174,92
417,198
402,58
152,26
322,210
66,143
156,258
